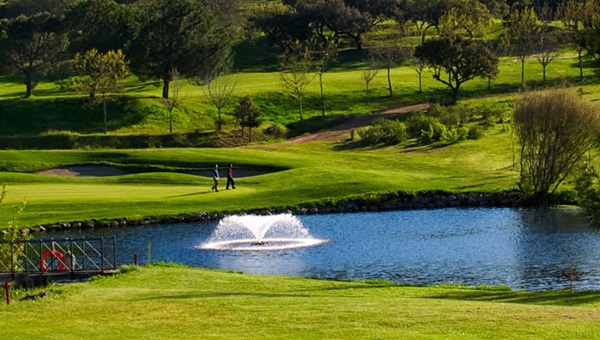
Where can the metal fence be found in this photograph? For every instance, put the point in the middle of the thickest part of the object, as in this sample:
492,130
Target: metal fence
65,257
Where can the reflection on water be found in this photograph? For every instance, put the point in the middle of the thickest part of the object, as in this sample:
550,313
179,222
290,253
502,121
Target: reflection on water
520,248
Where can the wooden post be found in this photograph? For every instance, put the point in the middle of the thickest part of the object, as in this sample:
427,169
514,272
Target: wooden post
7,289
135,259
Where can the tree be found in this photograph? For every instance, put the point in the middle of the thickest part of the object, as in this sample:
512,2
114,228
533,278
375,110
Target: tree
281,24
103,72
173,100
220,91
32,44
522,31
470,16
368,75
298,74
424,14
555,130
104,25
461,59
247,115
325,55
547,47
16,8
177,34
388,53
576,17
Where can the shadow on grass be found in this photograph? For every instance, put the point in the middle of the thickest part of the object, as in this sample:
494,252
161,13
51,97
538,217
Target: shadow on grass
189,195
291,294
556,298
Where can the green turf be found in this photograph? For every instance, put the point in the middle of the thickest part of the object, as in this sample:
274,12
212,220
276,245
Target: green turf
141,112
182,303
313,172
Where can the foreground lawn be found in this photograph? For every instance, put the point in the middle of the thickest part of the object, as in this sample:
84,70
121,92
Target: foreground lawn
184,303
310,173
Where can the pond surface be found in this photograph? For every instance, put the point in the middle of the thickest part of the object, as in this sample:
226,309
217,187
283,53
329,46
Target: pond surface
519,248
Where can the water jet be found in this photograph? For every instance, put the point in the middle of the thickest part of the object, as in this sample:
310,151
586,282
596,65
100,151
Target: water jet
260,233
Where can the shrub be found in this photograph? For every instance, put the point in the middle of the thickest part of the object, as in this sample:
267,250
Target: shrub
475,132
454,135
384,131
493,113
555,129
433,133
277,131
450,116
420,122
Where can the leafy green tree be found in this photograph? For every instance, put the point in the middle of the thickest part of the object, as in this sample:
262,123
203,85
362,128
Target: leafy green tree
469,16
522,31
177,34
32,44
103,72
460,59
281,24
424,15
100,24
577,17
247,115
15,8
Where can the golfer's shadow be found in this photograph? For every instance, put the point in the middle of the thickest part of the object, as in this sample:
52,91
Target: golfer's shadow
189,195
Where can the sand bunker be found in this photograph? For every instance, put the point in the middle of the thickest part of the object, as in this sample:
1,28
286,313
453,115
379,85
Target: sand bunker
85,171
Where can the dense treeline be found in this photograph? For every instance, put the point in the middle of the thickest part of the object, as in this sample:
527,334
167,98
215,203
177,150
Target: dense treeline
193,38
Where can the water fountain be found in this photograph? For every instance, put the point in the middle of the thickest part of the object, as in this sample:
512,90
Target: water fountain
260,233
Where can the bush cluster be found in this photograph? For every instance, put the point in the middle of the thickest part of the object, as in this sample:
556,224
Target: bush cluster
448,124
384,131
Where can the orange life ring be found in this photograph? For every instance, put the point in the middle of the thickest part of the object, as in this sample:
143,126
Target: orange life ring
56,254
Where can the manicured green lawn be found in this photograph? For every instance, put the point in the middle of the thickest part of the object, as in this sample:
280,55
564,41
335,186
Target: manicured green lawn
184,303
56,109
315,171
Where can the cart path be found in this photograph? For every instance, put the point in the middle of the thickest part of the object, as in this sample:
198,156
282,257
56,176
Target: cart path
342,131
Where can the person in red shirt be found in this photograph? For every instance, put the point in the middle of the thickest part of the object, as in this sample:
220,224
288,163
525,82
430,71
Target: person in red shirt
230,180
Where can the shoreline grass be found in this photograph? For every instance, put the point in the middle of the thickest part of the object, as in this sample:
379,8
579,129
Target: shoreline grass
167,302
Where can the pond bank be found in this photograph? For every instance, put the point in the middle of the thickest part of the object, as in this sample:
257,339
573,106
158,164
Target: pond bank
364,203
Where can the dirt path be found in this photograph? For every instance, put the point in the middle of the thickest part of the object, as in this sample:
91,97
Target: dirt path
342,131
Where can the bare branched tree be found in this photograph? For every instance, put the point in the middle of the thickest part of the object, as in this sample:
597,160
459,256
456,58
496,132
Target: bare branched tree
298,74
388,52
325,55
368,75
417,64
175,99
220,91
548,50
555,130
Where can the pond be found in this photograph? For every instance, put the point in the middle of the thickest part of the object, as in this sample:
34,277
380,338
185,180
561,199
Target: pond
518,248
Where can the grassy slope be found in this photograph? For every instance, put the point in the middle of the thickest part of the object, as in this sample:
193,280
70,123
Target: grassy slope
55,109
183,303
316,171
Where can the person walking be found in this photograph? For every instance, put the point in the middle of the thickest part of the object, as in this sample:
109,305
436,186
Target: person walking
216,178
230,180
